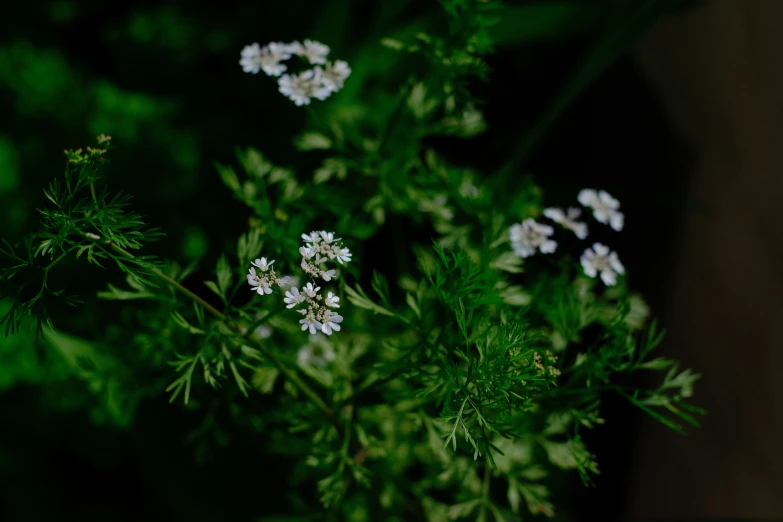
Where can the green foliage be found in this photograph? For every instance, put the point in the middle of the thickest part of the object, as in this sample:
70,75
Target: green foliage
463,377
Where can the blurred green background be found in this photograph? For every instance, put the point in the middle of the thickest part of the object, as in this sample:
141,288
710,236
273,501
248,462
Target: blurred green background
162,78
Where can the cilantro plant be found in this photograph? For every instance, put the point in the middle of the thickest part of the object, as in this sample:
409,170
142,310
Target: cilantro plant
433,340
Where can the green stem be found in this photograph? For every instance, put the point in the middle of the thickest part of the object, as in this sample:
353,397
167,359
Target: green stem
253,326
394,118
484,494
293,377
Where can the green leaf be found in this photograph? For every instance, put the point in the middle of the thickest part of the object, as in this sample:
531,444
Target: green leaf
264,378
463,509
330,167
360,299
659,363
507,261
114,293
313,141
184,324
214,287
248,248
224,274
412,303
229,177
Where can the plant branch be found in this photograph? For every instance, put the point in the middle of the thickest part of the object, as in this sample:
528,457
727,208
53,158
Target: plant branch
290,374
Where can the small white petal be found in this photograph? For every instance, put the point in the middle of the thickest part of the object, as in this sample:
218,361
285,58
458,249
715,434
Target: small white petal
313,237
587,197
589,269
616,221
555,214
548,247
608,277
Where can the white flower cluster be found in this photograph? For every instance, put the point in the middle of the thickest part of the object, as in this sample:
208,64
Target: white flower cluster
318,82
320,248
261,281
529,236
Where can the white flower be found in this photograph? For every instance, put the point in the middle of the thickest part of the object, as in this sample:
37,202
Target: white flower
262,264
310,322
318,352
293,297
568,220
263,280
315,52
310,290
320,90
289,282
255,58
306,251
327,237
529,235
605,207
332,300
300,87
262,332
313,237
343,255
333,76
258,283
294,48
600,259
328,275
331,322
251,58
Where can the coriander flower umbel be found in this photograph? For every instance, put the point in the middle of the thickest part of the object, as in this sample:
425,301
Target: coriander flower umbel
303,86
317,82
261,281
601,260
319,312
568,220
324,247
317,315
605,207
529,236
320,248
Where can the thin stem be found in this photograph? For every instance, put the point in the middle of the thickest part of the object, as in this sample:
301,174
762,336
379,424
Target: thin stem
484,494
293,377
394,118
264,319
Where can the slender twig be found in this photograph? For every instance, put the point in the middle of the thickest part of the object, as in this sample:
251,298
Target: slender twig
290,374
484,494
